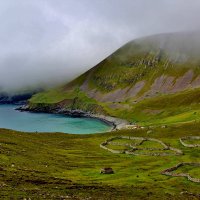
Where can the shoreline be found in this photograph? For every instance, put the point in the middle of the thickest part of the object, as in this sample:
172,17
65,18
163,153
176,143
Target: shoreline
115,123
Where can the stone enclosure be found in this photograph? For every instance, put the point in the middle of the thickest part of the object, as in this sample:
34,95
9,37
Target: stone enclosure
169,171
189,138
132,148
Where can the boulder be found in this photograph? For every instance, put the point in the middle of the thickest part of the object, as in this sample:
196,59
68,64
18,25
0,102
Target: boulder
107,170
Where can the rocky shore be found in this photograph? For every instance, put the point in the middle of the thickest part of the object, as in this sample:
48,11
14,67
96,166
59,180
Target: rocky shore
116,123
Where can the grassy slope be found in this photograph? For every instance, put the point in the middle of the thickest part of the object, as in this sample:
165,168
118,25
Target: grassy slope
54,166
165,109
138,60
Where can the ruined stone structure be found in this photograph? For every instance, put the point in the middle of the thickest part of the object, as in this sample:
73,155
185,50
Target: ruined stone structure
107,170
182,141
136,147
169,172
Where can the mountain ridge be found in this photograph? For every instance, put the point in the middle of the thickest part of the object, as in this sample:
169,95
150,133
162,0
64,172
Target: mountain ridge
130,81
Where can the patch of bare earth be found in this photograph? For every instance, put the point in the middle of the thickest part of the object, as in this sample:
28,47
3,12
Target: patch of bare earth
113,96
169,85
161,85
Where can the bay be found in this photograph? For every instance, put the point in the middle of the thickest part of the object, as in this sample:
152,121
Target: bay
44,122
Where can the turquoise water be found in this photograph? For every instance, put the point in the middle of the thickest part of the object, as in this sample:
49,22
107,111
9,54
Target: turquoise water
43,122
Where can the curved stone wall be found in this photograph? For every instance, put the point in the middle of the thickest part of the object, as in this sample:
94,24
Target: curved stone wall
169,172
182,141
136,147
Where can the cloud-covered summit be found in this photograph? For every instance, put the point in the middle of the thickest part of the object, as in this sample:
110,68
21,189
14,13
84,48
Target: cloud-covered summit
47,41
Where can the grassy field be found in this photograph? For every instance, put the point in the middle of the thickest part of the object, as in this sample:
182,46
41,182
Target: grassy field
66,166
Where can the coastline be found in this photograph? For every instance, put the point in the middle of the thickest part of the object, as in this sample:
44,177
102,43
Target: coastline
116,123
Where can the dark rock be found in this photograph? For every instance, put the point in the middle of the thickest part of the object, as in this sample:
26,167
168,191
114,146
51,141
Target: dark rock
107,170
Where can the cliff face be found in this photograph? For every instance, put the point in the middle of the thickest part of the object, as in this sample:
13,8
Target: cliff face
149,80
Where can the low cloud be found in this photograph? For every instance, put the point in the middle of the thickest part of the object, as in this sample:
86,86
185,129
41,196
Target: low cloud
47,42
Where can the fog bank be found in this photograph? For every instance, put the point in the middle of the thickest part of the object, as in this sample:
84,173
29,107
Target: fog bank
47,42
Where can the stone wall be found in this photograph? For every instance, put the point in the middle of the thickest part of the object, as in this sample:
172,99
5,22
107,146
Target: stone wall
189,138
136,146
169,171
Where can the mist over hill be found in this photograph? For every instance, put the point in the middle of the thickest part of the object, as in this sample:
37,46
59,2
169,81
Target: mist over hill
48,43
18,97
155,78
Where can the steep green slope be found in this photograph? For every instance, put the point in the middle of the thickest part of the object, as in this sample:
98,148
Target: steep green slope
64,166
149,80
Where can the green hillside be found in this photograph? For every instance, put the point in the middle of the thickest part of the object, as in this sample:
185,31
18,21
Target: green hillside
64,166
152,80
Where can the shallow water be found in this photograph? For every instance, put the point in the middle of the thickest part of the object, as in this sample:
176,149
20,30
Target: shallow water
43,122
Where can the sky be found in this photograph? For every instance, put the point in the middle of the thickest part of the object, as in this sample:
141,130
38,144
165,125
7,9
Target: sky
47,42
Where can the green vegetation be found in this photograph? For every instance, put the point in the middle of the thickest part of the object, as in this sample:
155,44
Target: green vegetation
52,96
193,142
167,79
167,109
192,170
73,99
142,83
162,109
55,165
